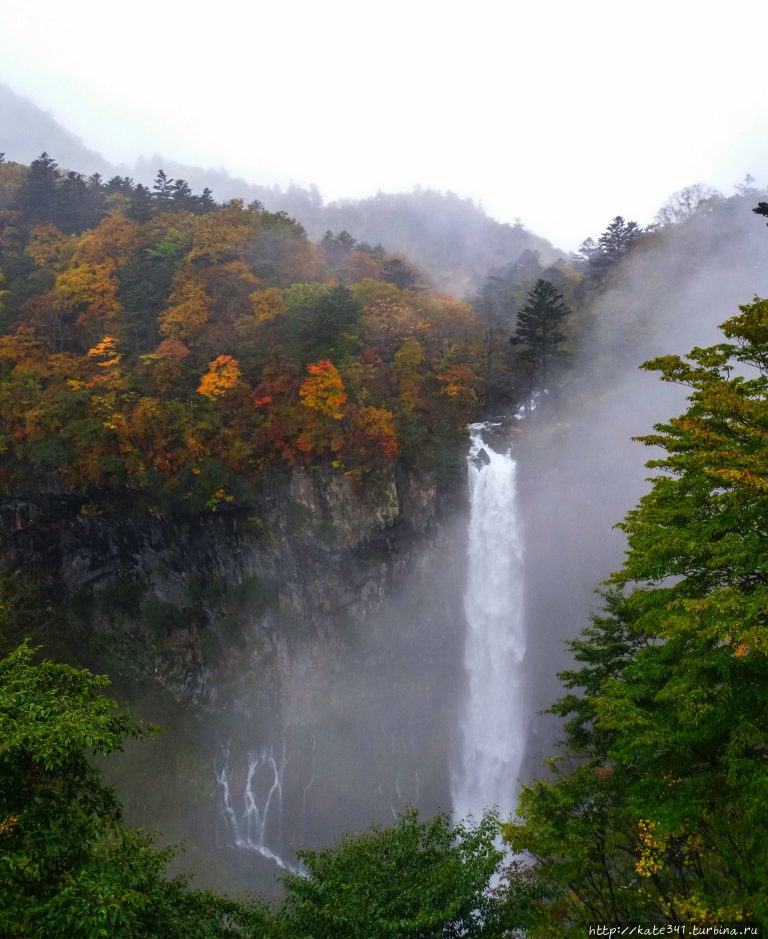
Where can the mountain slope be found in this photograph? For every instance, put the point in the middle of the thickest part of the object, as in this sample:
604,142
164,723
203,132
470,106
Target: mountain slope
451,238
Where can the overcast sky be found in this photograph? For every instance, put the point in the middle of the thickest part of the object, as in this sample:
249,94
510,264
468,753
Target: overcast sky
563,114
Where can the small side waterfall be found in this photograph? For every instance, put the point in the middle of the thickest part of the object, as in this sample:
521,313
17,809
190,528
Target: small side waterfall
493,725
254,817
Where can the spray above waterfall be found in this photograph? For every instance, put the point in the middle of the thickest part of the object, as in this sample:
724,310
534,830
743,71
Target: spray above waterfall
493,724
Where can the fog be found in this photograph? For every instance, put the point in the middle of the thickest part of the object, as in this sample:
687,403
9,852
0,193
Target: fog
582,472
554,113
365,718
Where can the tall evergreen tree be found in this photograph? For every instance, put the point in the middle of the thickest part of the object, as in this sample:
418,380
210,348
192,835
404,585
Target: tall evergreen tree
163,189
38,196
538,328
616,240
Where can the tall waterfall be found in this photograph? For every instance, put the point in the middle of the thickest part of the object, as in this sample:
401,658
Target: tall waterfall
493,727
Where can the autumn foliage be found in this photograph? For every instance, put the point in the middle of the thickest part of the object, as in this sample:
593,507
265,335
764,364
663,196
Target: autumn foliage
323,389
178,349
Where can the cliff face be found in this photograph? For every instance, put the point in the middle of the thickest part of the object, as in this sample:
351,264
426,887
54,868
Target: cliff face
188,602
322,627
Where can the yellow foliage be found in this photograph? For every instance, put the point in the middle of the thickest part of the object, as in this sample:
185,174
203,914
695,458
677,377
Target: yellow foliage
106,350
174,227
10,823
222,375
51,248
188,313
223,234
114,239
407,372
323,390
653,844
380,424
388,322
92,284
268,304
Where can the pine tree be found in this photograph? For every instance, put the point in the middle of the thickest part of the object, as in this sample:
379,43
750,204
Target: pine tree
538,328
39,197
616,240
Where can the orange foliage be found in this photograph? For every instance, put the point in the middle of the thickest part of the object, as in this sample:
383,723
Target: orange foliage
360,266
456,380
171,349
222,375
21,348
323,390
379,423
125,418
106,351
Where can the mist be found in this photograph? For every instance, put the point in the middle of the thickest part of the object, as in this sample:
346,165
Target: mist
344,703
581,470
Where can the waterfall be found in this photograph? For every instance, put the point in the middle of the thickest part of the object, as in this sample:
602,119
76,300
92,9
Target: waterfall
256,824
493,724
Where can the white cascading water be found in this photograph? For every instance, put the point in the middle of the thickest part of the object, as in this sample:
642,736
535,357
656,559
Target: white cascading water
493,725
257,825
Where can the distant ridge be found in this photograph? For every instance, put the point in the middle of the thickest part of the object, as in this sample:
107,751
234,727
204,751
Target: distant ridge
451,238
26,131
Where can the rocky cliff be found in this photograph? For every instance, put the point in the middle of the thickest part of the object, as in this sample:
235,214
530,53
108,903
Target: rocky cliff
323,622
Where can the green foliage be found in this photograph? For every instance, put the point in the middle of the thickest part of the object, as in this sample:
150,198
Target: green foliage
413,878
25,610
255,595
68,867
664,818
538,338
164,616
600,257
538,327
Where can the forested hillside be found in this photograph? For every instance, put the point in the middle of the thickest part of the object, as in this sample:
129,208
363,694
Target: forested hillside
160,343
452,239
230,463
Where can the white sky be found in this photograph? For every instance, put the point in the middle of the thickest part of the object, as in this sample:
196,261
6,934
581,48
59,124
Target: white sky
561,113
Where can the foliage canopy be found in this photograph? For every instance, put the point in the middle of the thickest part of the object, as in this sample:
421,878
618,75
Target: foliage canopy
68,866
413,878
663,819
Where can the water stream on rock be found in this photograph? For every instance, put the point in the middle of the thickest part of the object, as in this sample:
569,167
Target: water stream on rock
254,816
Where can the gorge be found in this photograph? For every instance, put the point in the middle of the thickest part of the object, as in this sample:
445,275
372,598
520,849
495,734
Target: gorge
261,484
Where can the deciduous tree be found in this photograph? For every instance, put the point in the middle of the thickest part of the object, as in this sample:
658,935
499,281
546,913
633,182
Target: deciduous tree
665,817
68,866
426,879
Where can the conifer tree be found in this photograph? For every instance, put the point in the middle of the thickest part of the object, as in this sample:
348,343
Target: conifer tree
538,328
